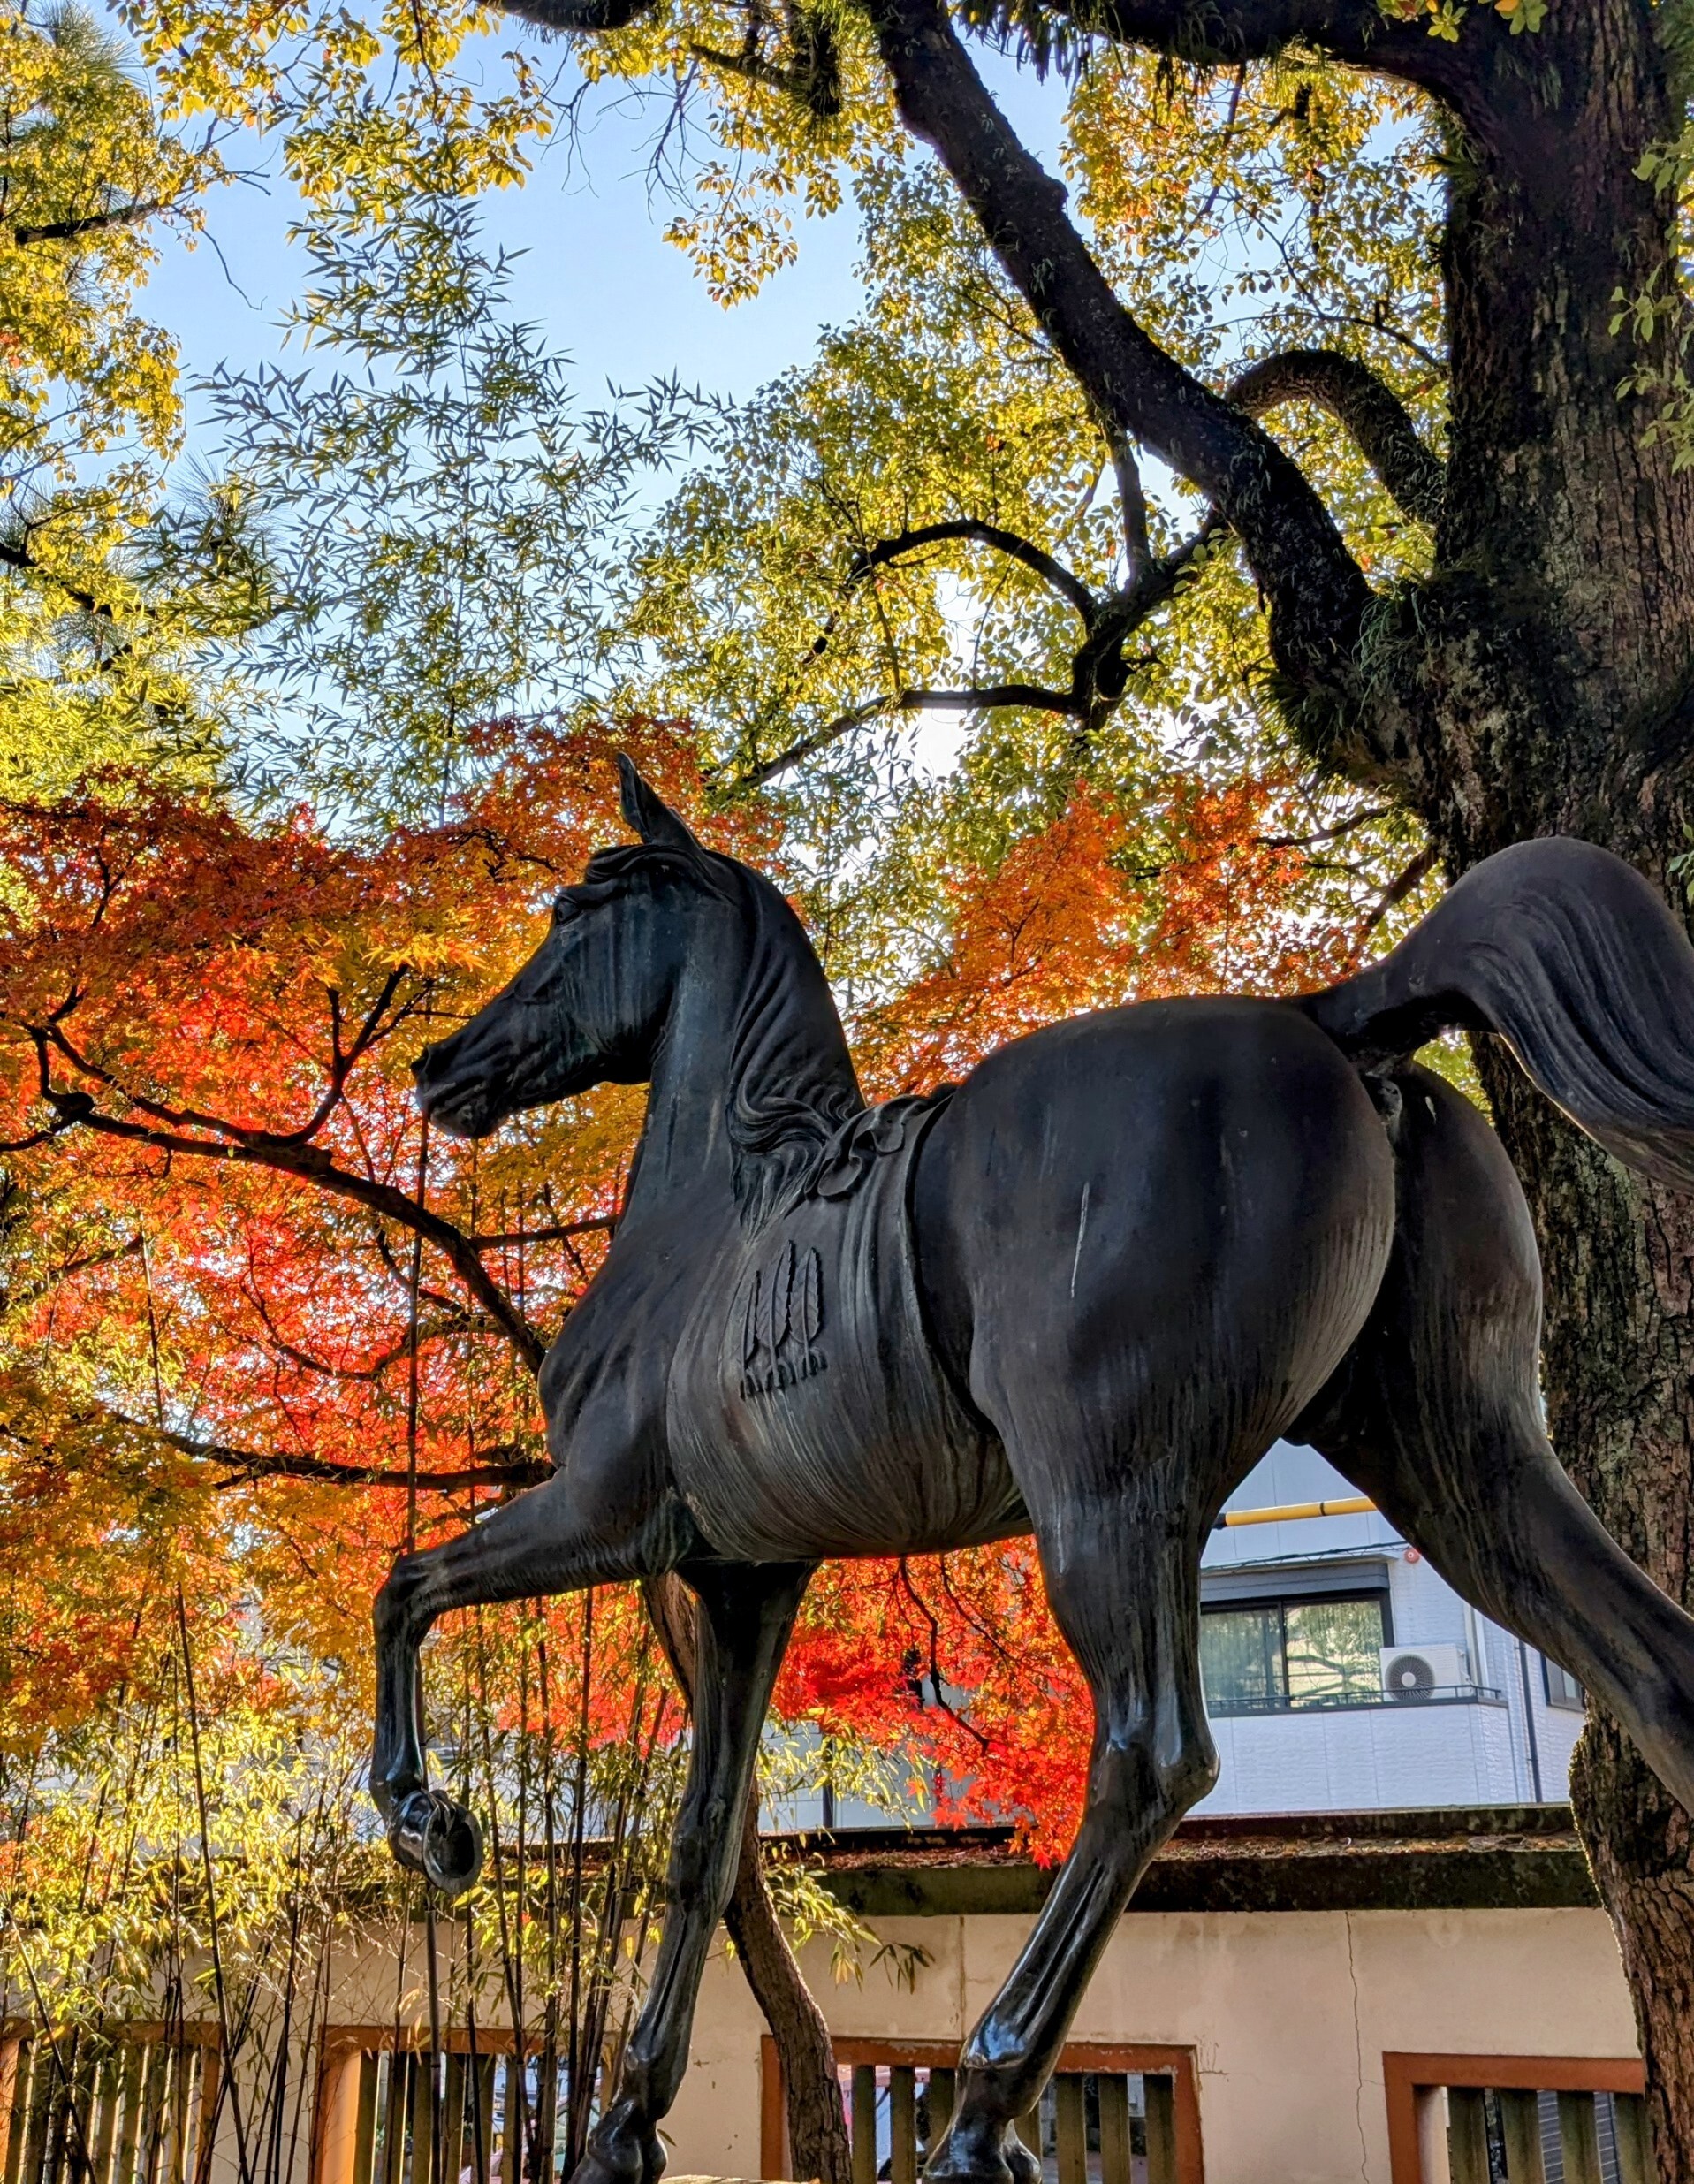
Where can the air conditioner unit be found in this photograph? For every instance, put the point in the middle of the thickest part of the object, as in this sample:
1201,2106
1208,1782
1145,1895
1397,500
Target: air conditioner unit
1413,1673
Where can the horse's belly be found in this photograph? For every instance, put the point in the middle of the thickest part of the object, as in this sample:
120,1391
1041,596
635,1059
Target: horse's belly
786,1484
808,1413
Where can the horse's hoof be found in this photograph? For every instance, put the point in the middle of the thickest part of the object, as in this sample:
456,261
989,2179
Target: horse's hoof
437,1838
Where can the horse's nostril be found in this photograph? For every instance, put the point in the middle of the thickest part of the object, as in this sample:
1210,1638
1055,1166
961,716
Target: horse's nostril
428,1063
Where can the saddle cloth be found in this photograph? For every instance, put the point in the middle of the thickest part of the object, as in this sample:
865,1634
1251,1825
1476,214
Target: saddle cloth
808,1413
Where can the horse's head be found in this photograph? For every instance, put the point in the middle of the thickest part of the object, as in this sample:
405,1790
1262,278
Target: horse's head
587,1007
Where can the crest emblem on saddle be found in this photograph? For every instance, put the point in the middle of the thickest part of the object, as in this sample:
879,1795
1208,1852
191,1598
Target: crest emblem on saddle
806,1379
782,1323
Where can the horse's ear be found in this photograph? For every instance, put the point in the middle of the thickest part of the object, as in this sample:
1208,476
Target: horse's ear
647,813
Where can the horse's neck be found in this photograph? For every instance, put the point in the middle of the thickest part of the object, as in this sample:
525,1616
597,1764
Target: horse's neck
687,1147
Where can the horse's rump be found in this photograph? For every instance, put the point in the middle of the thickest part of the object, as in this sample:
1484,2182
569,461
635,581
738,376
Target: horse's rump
808,1414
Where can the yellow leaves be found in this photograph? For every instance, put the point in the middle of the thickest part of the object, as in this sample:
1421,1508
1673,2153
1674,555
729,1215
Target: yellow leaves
372,110
88,166
738,239
1447,17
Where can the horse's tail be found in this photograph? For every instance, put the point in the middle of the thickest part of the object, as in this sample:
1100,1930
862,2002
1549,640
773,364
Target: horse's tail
1571,957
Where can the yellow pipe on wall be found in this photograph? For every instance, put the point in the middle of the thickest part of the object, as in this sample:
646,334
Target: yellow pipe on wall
1287,1512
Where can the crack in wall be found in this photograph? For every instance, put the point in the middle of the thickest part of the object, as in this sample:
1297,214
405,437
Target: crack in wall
1358,2054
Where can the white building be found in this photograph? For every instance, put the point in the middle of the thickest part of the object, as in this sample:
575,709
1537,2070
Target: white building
1299,1620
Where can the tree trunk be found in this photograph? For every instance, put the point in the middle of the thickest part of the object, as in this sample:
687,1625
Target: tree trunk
1553,683
818,2145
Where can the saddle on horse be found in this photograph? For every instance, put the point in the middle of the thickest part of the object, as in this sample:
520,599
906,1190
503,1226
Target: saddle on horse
807,1395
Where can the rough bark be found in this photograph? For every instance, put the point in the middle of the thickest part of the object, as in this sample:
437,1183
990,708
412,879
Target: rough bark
1550,690
817,2135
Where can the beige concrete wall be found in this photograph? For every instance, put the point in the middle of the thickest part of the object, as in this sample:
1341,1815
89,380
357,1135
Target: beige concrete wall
1289,2014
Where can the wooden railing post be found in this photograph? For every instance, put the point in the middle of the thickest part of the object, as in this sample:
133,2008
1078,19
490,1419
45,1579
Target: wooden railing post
1467,2134
1159,2103
902,2124
1431,2135
17,2084
865,2123
1579,2138
1519,2127
1070,2128
1635,2162
943,2087
338,2151
1114,2127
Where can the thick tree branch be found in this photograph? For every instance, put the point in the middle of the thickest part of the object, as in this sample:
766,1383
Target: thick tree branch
587,15
1099,671
21,558
90,222
1398,888
1315,591
502,1467
1367,409
985,697
1042,564
560,1232
1225,32
1035,695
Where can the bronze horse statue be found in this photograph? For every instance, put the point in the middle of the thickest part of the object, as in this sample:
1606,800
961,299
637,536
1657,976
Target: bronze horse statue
1079,1295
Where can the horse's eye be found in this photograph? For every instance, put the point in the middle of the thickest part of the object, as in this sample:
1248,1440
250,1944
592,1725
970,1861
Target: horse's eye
564,908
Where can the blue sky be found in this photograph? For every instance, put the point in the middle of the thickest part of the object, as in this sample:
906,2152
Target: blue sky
594,271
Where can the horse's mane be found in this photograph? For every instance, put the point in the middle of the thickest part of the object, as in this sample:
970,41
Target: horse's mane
791,1083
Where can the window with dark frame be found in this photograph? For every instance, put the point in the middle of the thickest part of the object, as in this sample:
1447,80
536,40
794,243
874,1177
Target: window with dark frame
1278,1656
1561,1688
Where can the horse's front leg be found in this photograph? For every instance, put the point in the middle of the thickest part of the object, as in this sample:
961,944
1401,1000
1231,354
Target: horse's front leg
553,1539
748,1613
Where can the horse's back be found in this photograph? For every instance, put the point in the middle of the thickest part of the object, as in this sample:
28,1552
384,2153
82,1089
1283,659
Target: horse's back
1164,1220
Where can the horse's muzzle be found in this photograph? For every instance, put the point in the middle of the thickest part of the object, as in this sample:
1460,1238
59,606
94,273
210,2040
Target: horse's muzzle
462,1108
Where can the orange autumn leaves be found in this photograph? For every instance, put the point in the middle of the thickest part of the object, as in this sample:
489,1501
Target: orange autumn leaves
1106,906
208,1287
211,1297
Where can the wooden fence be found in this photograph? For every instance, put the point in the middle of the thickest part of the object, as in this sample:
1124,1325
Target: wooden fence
132,2106
1534,2119
390,2113
1110,2115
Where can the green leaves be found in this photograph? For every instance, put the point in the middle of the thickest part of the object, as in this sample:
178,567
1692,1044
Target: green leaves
441,520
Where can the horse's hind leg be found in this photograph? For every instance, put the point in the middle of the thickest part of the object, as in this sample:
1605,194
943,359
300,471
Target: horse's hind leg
1437,1415
554,1539
748,1613
1123,1580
